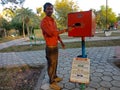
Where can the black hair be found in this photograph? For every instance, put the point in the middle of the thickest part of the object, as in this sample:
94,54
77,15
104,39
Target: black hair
46,5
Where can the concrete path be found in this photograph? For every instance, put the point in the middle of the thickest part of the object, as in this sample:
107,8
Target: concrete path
104,75
13,43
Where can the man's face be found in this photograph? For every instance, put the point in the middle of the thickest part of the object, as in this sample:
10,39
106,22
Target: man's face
49,10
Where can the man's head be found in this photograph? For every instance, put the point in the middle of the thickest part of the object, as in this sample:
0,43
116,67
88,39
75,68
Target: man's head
48,8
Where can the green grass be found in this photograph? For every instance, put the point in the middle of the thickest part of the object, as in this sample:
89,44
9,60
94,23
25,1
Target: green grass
6,39
36,47
88,44
68,45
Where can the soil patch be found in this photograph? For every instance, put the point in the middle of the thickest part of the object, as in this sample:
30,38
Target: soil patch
117,63
19,78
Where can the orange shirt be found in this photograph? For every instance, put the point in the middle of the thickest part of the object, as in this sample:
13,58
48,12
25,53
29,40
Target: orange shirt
49,30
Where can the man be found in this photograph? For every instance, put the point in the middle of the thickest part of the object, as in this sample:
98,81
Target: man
51,36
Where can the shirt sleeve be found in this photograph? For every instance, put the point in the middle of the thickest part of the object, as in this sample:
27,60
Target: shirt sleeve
46,29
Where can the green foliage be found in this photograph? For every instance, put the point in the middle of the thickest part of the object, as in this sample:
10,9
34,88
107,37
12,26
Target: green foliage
23,14
102,20
8,13
16,24
34,21
3,2
4,24
39,10
62,8
118,18
40,13
28,18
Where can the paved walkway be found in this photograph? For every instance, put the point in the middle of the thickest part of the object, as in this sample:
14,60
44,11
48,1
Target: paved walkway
13,43
104,75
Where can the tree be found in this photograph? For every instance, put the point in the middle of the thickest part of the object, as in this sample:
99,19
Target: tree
34,22
24,15
8,14
40,13
8,11
39,10
4,25
118,18
18,2
62,8
16,24
101,17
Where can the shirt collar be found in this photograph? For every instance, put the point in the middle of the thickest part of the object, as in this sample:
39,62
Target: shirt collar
50,18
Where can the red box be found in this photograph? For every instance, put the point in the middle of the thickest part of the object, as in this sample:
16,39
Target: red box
83,23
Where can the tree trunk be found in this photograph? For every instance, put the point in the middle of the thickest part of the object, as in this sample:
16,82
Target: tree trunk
28,30
5,33
23,29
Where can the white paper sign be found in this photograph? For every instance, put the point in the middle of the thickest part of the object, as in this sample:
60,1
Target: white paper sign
80,70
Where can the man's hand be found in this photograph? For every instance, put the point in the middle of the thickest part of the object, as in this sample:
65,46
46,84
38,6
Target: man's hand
69,29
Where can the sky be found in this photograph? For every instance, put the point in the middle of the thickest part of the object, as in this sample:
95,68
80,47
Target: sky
83,4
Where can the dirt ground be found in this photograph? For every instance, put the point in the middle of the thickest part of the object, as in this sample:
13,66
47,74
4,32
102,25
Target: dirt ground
117,63
19,78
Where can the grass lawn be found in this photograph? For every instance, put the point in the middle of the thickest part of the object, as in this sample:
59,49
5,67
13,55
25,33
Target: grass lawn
68,45
6,39
103,43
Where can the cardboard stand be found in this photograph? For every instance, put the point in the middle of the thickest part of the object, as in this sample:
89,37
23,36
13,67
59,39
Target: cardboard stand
80,70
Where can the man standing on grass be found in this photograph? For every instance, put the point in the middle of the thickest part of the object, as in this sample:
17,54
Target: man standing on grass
51,36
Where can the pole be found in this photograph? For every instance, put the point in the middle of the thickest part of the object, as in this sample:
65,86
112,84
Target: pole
106,14
82,86
83,48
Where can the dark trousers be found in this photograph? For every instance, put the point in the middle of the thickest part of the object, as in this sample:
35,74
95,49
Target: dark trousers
52,60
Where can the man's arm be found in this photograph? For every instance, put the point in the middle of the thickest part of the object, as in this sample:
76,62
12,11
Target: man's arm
62,31
62,44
